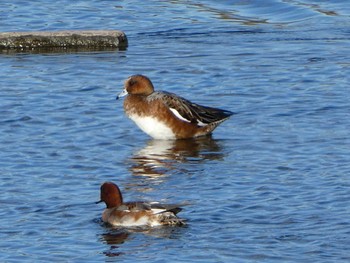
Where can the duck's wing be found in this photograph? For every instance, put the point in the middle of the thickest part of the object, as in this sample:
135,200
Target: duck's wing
165,207
189,111
136,206
155,207
165,214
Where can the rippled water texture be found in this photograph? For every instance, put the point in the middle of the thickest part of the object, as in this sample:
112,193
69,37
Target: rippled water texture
271,185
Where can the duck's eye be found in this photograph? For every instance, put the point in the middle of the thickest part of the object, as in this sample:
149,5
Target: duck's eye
132,82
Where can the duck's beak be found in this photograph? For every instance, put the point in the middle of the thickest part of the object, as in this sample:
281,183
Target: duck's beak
98,202
122,94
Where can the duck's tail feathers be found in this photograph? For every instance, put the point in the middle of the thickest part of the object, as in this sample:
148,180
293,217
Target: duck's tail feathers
169,218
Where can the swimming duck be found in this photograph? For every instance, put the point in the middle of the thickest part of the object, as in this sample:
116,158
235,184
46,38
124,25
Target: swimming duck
120,213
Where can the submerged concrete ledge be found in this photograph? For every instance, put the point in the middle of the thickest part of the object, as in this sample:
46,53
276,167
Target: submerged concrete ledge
94,39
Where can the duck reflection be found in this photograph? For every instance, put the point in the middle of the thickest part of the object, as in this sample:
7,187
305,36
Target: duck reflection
116,237
160,156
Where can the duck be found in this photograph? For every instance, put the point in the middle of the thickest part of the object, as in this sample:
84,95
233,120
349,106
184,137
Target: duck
135,214
164,115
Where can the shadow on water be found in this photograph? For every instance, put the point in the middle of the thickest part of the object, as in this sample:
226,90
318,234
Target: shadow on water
159,157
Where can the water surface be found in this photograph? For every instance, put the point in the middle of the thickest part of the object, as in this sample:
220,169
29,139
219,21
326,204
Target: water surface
270,185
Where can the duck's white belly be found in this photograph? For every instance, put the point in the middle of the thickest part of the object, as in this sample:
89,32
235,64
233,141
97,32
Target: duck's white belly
153,127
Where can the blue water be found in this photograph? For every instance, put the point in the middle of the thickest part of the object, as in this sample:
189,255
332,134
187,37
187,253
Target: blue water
271,185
